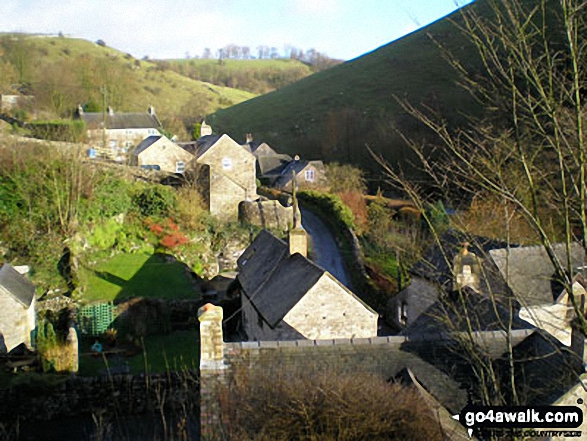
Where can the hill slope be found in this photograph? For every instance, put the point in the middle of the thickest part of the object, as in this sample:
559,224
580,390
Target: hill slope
64,72
334,114
255,76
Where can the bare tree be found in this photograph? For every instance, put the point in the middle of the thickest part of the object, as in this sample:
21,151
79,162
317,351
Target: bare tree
526,153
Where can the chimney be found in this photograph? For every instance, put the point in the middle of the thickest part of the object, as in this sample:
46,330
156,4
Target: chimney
211,339
110,110
298,238
249,138
151,111
298,241
205,129
466,269
80,110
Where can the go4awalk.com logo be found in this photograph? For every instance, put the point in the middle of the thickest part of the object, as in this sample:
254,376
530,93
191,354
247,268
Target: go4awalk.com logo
482,418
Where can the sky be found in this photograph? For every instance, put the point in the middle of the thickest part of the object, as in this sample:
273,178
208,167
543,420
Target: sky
163,29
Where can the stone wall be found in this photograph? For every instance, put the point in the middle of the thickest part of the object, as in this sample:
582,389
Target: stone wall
266,214
51,397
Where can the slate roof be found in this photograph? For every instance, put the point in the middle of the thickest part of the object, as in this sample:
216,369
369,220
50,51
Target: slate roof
474,311
545,369
436,264
121,120
17,285
272,164
205,143
145,144
253,147
530,272
272,279
297,166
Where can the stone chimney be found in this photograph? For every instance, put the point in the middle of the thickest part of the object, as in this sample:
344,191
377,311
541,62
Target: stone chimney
110,110
249,138
211,339
205,129
466,269
298,238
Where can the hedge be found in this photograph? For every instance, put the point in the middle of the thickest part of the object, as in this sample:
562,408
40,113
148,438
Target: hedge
59,130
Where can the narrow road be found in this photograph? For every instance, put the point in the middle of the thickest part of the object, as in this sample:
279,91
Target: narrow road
325,251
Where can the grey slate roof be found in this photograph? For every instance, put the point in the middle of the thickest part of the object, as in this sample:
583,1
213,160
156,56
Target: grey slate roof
17,285
273,280
297,166
436,264
205,143
268,165
530,273
145,144
545,369
121,120
453,314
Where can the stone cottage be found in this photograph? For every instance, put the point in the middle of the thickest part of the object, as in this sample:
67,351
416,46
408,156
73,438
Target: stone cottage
309,174
112,134
17,302
160,151
285,296
231,174
519,277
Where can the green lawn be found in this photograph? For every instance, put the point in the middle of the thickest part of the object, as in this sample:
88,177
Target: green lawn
169,352
136,275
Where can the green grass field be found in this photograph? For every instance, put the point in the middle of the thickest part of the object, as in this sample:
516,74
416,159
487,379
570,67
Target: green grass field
136,275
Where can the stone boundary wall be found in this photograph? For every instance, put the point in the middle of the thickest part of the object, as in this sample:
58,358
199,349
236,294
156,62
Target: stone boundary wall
479,336
123,395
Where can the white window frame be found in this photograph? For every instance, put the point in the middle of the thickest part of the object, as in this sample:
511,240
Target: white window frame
309,175
227,163
179,166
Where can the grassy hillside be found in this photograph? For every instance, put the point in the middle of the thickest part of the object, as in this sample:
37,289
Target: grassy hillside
64,72
334,114
256,76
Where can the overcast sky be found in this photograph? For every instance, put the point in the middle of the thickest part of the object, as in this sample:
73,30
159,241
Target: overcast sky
342,29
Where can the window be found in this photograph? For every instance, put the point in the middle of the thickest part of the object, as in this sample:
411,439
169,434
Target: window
179,167
403,313
226,163
309,175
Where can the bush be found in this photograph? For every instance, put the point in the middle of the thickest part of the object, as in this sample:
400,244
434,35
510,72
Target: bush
66,130
313,405
331,205
155,200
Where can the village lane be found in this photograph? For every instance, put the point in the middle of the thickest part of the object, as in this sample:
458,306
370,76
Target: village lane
325,251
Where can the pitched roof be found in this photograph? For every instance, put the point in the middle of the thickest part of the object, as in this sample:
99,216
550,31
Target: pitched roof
297,166
273,280
121,120
17,285
436,264
145,144
473,311
259,148
272,164
545,369
204,143
530,273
